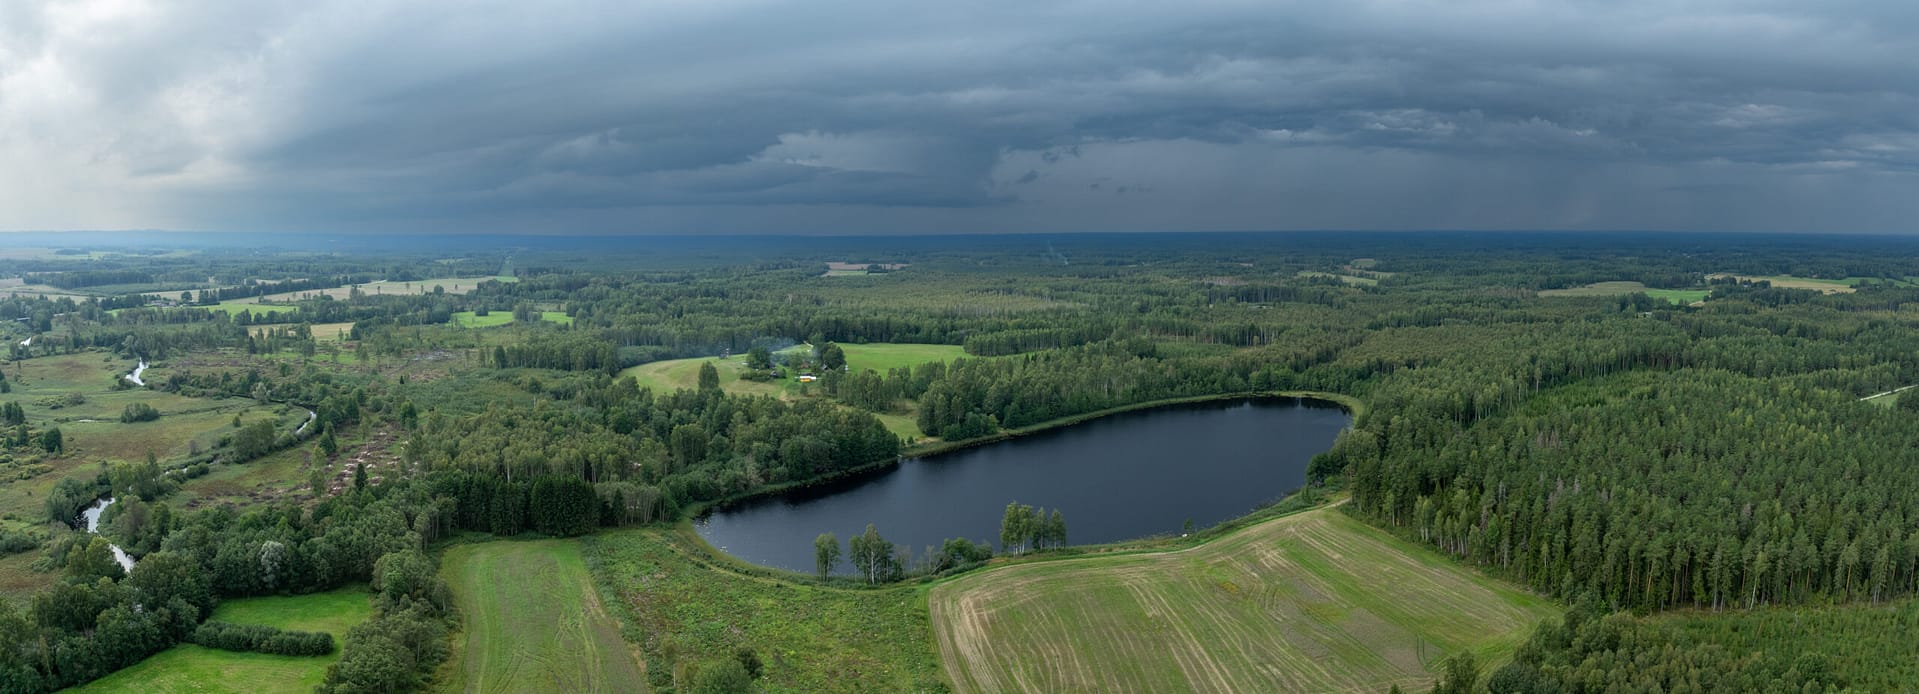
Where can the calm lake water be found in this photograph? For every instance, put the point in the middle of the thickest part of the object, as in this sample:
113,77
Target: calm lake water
1115,478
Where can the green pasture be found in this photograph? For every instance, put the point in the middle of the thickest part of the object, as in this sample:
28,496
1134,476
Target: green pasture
190,668
534,622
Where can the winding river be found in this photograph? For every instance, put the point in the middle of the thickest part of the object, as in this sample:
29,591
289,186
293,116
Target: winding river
92,517
1125,476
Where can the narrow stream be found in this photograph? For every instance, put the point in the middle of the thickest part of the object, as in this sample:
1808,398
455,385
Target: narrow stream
92,516
135,376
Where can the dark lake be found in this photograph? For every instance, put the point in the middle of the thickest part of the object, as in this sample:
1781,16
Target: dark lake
1119,477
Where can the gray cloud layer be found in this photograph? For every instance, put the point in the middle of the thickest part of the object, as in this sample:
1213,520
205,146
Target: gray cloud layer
728,115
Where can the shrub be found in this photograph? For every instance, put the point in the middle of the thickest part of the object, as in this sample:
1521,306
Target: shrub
259,638
138,412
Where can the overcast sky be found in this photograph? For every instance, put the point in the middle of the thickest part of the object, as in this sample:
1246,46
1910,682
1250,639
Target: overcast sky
714,116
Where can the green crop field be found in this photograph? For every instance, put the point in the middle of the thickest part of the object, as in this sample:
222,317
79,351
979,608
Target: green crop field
534,622
1315,601
684,609
190,668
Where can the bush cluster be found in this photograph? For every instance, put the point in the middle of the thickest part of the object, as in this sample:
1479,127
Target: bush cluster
259,638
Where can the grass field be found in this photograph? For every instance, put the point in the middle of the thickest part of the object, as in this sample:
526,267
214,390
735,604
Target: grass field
190,668
467,319
880,356
1315,601
684,610
1677,296
674,374
534,622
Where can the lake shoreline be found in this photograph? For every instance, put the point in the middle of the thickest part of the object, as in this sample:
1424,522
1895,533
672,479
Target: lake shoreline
1250,460
1353,407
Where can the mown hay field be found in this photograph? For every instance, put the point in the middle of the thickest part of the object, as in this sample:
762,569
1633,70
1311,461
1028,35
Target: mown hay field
1315,601
533,622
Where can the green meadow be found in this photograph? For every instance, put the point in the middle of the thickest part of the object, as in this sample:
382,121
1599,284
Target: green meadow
189,668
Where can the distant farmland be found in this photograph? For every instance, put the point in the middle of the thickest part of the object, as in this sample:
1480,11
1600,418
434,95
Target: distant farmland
1315,601
1677,296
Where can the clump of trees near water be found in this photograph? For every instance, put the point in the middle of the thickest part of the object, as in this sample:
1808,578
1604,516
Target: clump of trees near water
1025,528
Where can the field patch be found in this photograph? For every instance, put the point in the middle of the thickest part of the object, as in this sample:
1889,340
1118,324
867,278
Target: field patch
190,668
881,356
469,319
684,611
534,622
1315,601
1352,279
675,374
839,269
449,285
1838,286
1677,296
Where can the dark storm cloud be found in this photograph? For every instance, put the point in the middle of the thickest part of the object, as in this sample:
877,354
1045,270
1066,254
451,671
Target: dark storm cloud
867,116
